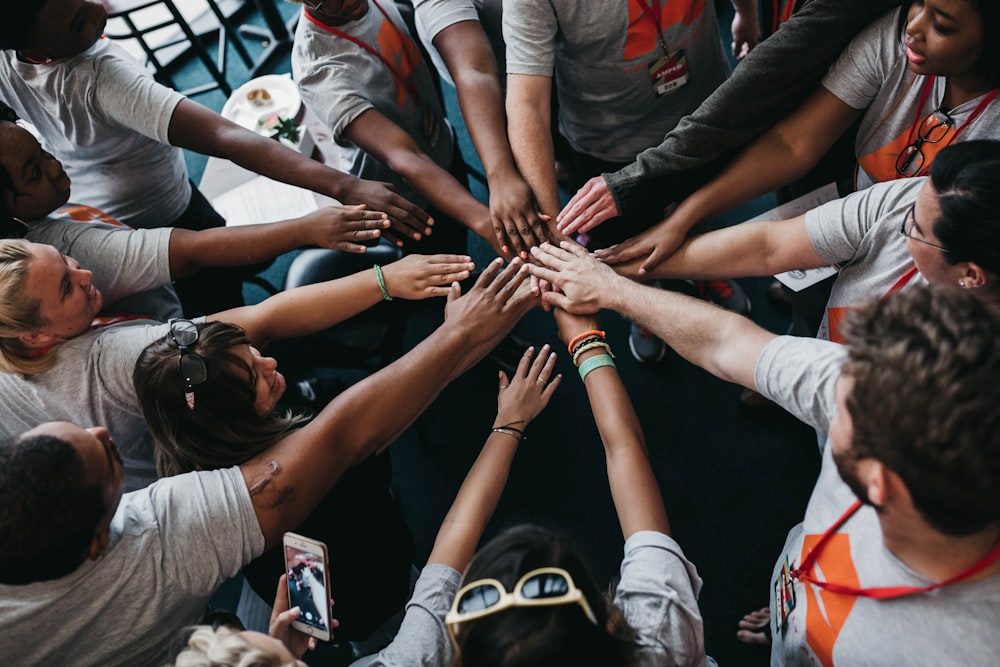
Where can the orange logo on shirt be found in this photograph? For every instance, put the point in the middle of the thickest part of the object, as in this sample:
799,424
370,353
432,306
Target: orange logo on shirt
827,612
834,320
404,56
642,38
881,163
81,213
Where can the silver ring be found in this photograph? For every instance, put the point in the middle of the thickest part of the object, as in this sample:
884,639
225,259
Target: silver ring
542,380
504,386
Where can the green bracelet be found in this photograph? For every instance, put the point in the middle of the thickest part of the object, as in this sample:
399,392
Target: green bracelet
594,363
381,283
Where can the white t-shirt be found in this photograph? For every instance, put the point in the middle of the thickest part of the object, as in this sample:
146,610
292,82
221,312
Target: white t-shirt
955,625
102,114
172,545
861,233
599,52
872,74
339,81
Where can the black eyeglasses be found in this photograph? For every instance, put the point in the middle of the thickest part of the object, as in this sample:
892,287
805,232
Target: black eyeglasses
933,129
909,222
544,587
184,334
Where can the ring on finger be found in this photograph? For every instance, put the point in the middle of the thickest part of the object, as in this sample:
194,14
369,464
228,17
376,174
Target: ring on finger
504,386
542,380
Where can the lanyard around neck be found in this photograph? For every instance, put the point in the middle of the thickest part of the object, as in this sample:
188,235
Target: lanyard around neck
655,14
925,93
404,81
882,592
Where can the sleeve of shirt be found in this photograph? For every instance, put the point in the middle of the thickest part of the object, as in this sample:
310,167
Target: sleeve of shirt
529,30
436,15
861,70
126,93
422,640
837,228
124,261
658,593
208,527
800,375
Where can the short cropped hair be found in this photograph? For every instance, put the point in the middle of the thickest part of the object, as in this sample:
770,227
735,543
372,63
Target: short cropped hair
49,511
17,20
925,364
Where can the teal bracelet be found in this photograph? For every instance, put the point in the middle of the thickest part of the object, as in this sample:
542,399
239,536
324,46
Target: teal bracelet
594,363
381,283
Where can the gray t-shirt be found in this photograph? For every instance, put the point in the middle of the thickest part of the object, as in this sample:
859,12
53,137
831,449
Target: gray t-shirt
599,52
172,545
104,116
873,74
955,625
339,81
861,233
658,594
103,248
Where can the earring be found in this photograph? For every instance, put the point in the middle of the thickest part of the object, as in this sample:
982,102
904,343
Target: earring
961,283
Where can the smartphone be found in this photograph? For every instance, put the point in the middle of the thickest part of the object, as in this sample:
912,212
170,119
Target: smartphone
306,563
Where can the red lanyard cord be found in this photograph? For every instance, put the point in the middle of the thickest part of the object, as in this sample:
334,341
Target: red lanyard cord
410,87
901,283
925,92
654,14
882,592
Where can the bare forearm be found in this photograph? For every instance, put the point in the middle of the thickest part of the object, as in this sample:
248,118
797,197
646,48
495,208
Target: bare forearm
305,310
724,343
475,503
233,246
531,143
442,190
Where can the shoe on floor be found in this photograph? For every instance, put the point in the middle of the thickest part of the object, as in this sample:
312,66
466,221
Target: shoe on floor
725,293
645,346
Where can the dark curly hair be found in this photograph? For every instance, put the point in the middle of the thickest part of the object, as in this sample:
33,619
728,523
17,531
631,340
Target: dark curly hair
17,19
925,364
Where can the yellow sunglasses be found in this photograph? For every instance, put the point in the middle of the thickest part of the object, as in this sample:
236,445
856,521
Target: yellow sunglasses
544,587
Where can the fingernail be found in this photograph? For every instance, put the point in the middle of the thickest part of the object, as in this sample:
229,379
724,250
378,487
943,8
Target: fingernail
498,260
505,248
427,230
524,255
531,348
416,236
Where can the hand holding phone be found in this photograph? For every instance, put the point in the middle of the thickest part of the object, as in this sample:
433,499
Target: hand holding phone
308,585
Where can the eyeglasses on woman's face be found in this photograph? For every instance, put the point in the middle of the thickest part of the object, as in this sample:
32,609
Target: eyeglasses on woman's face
910,223
544,587
184,334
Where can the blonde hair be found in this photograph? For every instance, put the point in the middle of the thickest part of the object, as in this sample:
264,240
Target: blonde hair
223,647
19,314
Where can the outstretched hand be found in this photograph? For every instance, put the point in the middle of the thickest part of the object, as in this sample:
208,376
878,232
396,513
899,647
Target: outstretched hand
654,246
422,276
582,279
517,220
346,228
589,207
281,628
407,220
500,297
524,395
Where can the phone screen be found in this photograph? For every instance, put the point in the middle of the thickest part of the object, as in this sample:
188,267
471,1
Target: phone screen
307,587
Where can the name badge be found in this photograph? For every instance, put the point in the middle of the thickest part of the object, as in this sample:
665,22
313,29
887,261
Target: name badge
669,73
784,595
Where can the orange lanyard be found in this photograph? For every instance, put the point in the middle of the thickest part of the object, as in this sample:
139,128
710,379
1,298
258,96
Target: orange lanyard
654,14
882,592
901,283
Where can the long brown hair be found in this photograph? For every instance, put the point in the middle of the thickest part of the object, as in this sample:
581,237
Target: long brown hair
222,429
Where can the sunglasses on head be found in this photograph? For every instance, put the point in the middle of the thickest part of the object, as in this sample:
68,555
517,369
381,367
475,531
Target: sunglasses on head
184,334
544,587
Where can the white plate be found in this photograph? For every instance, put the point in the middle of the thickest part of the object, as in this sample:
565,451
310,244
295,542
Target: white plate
284,101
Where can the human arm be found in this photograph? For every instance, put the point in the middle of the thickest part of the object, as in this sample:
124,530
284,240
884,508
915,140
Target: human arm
745,28
529,100
311,308
394,147
759,248
517,220
634,489
199,129
282,616
723,343
520,400
337,227
786,152
288,479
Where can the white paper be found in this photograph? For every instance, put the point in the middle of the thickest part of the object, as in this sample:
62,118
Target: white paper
797,280
263,200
